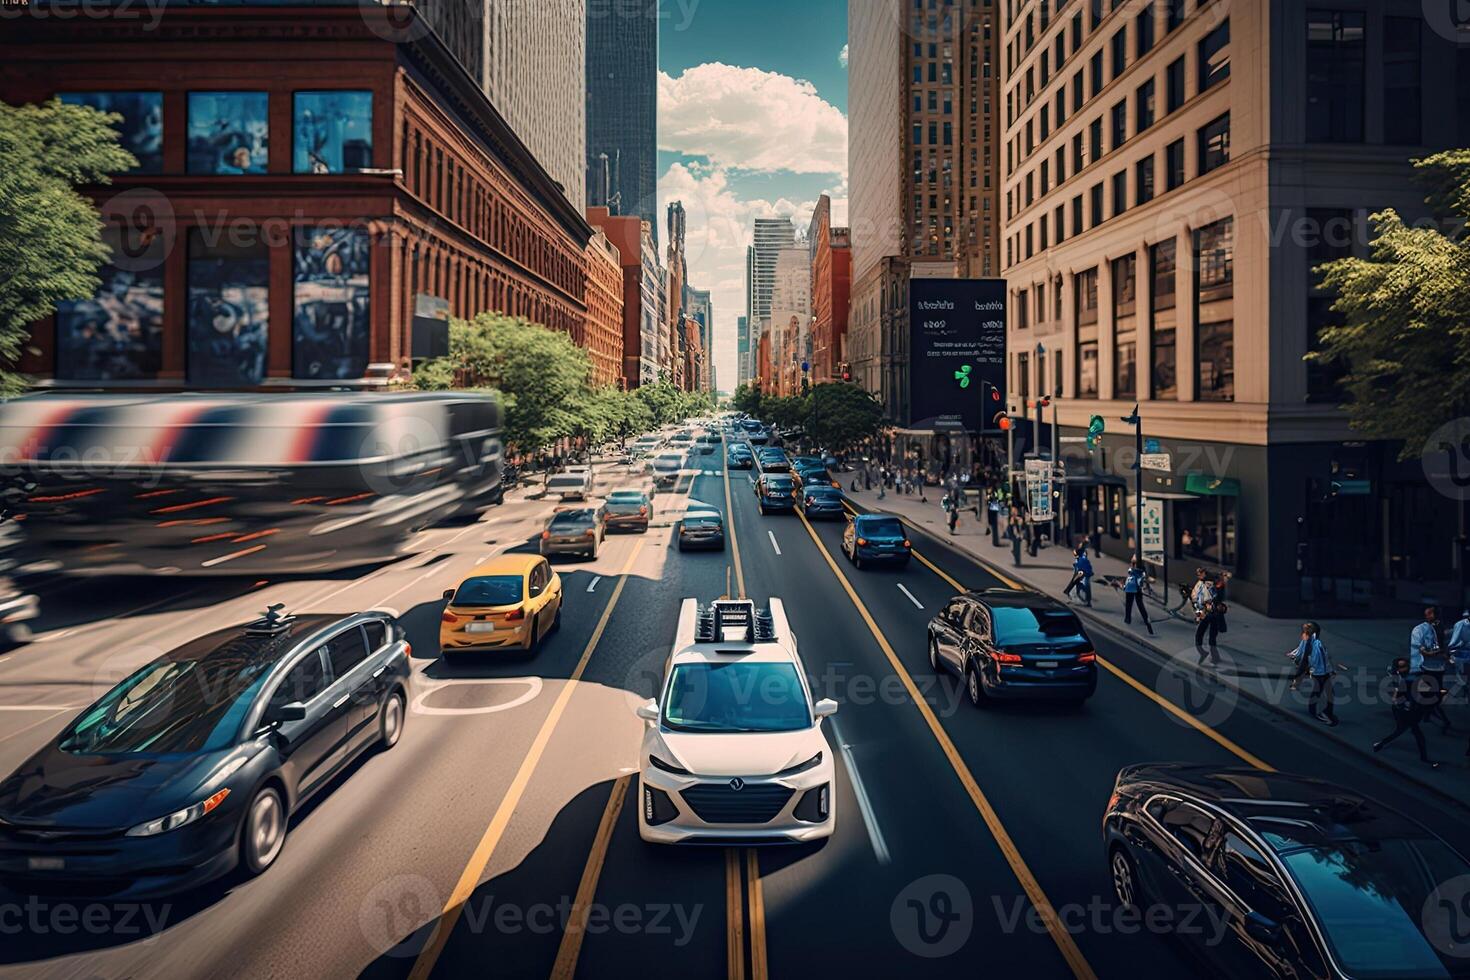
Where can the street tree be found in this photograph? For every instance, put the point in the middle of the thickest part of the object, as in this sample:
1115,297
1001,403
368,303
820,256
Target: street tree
1405,339
50,234
841,416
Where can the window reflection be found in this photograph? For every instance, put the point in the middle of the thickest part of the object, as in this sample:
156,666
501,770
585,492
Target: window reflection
333,131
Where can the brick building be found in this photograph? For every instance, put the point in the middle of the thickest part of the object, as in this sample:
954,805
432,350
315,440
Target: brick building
603,334
831,257
642,286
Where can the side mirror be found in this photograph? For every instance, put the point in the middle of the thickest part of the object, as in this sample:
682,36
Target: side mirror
295,711
1262,929
825,708
449,593
648,710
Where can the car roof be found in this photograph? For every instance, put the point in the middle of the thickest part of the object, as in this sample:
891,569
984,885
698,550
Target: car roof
773,642
511,564
1015,598
239,642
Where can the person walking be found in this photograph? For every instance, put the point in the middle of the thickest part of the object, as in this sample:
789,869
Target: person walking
1078,553
1459,650
1427,657
1203,599
1082,575
1407,695
954,516
1133,595
1321,670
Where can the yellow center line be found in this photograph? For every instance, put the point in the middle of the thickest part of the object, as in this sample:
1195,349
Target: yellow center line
1067,946
734,918
757,898
571,940
480,859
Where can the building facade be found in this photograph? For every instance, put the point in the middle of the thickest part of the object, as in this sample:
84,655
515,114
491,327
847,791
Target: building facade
676,286
769,236
535,72
791,315
922,97
1173,174
701,308
642,292
744,357
603,334
831,262
362,202
622,107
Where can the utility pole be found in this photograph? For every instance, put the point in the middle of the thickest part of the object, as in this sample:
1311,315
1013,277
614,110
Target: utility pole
1137,424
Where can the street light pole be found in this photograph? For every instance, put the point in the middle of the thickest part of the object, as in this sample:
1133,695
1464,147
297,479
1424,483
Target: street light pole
1137,424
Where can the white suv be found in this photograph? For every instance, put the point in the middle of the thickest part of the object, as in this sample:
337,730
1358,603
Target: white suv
734,748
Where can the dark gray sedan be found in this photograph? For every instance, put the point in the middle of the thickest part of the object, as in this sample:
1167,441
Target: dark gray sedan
702,529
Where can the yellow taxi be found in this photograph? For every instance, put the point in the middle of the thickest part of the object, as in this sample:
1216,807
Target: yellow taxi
511,601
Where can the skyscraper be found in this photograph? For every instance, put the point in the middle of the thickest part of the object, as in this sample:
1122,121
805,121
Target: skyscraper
622,106
700,308
743,357
770,236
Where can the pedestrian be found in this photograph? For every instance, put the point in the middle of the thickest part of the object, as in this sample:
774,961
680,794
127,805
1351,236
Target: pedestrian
1203,599
1459,650
1081,575
1407,696
1427,657
1133,595
1077,554
954,519
1321,670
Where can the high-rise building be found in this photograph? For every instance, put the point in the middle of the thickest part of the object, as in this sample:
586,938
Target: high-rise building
1173,175
622,106
924,203
831,262
535,74
677,284
700,308
769,236
743,357
791,314
642,293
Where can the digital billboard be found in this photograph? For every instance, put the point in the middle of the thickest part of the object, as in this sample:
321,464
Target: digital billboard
957,353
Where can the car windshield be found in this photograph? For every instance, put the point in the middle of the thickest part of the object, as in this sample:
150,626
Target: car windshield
568,480
572,518
668,462
881,527
1019,625
736,697
1372,899
172,706
778,483
488,590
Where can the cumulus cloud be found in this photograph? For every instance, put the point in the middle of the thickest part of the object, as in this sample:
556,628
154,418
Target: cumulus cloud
842,56
749,119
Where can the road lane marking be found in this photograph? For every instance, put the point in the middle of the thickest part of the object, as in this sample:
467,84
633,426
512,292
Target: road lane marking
1186,717
565,967
905,591
772,535
757,898
870,819
1059,934
429,687
592,585
485,850
734,541
734,917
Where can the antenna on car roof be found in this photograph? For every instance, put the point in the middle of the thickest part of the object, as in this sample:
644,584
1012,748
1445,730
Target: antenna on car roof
272,622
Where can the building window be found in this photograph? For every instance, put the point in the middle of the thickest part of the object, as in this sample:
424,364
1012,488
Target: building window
1095,70
1215,360
333,132
1120,192
229,311
331,324
1120,124
1143,104
1402,101
1096,209
1144,29
1120,51
1164,377
1214,56
117,335
1077,215
1214,144
1162,260
1336,60
1078,160
1173,14
1174,85
1214,249
1174,165
1085,284
1023,369
1144,180
1095,136
1125,285
1087,369
228,132
1125,380
141,130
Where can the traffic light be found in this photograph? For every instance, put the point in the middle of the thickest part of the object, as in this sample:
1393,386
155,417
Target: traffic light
846,371
1002,421
1094,431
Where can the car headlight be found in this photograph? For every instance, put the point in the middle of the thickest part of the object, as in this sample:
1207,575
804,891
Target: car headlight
801,767
179,818
658,763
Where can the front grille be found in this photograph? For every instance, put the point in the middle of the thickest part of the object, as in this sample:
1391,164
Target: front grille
753,803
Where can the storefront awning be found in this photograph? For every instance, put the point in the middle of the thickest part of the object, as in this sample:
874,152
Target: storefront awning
1211,486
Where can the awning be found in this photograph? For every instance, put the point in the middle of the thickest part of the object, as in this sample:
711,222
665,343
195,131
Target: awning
1211,486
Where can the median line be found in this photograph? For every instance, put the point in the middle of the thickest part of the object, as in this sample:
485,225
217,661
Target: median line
904,589
565,967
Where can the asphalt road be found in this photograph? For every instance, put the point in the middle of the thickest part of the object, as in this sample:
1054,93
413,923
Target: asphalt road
500,835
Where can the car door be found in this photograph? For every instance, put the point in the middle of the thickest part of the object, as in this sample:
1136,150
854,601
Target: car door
1250,886
538,597
305,745
352,685
379,639
975,636
1182,837
948,635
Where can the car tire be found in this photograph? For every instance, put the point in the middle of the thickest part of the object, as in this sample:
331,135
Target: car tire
15,635
934,661
533,642
974,687
1126,886
856,561
263,833
390,720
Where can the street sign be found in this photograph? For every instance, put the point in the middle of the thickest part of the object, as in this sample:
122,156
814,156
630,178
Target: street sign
1152,539
1157,461
1150,445
1039,475
806,366
1072,439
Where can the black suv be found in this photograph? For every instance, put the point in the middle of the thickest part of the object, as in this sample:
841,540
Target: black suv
1010,643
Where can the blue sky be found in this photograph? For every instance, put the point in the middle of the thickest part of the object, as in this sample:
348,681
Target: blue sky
752,123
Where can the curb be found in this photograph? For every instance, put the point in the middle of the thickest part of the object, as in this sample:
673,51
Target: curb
1162,659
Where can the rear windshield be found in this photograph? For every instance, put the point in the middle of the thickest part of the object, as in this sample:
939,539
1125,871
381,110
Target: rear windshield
822,490
626,497
488,590
778,482
702,520
572,518
1019,625
883,526
568,480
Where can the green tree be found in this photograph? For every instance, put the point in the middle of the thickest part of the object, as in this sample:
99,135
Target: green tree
841,416
663,401
748,399
50,234
1405,340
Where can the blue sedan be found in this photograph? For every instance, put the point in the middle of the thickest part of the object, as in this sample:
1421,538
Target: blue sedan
875,538
820,500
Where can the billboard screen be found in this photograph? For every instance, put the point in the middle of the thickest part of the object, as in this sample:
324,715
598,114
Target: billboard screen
957,353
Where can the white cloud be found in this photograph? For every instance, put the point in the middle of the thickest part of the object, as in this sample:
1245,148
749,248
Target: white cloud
842,56
749,119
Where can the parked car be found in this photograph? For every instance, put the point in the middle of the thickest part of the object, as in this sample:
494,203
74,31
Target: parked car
509,602
773,492
17,609
574,531
627,510
875,538
820,500
1307,878
708,443
193,765
1012,643
702,527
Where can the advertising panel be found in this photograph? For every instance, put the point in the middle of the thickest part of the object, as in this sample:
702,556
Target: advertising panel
957,353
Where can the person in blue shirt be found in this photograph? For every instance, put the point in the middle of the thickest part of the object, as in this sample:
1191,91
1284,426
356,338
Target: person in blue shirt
1313,655
1133,594
1082,575
1459,650
1079,553
1427,657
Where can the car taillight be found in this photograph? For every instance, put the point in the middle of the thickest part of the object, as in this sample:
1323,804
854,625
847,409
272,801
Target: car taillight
1112,801
407,649
1002,657
515,614
862,541
836,485
448,617
1087,657
589,534
642,511
907,543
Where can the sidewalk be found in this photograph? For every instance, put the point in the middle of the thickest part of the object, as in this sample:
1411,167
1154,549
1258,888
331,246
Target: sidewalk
1252,652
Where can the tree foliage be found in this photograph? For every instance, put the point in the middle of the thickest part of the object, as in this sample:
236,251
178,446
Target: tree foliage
50,235
1405,339
838,416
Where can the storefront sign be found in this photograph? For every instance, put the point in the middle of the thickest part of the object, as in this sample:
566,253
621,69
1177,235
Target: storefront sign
1152,539
1039,475
1156,461
957,345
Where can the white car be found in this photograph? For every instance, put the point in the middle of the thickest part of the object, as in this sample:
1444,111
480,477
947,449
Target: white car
734,748
573,483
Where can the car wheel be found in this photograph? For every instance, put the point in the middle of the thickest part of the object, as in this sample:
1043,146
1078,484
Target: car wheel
1125,878
15,635
264,833
856,561
974,687
390,720
934,655
534,640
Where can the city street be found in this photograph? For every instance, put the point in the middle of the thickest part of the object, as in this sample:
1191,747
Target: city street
501,833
